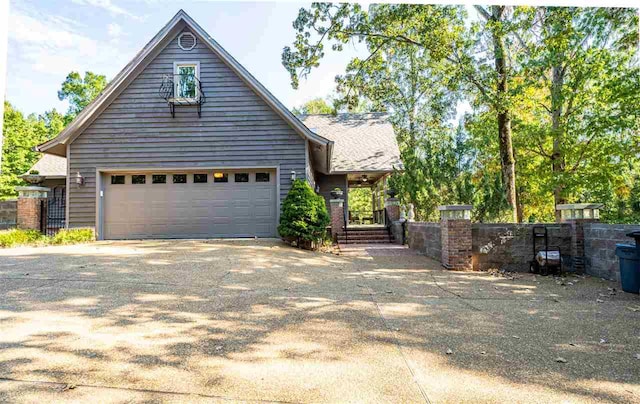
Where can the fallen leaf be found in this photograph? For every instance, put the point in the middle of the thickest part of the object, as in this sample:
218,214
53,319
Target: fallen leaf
515,336
572,344
449,351
634,309
637,356
599,301
483,353
69,386
388,291
603,341
560,359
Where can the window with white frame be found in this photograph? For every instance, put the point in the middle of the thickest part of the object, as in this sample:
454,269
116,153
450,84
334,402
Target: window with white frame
187,76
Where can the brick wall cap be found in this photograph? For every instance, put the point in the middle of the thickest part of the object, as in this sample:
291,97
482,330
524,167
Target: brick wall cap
455,207
336,200
576,206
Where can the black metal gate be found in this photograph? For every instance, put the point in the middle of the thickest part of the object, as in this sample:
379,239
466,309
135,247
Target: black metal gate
53,218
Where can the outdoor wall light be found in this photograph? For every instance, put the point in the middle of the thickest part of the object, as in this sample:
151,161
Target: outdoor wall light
79,179
293,175
364,178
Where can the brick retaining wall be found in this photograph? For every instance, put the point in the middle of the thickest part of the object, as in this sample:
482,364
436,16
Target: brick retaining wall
509,246
8,213
600,244
425,238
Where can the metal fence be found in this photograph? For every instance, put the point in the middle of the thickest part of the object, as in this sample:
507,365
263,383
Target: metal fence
52,215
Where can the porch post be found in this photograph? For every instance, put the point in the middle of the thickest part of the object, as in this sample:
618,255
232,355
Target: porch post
29,207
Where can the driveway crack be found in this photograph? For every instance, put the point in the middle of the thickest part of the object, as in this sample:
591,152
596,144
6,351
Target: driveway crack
396,339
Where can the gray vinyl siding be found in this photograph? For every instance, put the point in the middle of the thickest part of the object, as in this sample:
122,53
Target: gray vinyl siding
237,128
326,183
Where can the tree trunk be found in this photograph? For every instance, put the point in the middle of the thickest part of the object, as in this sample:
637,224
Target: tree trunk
507,159
557,156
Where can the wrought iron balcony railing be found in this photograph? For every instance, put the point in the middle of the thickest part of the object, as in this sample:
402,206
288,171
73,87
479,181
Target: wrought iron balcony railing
182,89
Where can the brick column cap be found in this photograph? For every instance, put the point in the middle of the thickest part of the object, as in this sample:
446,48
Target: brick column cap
336,201
579,211
32,192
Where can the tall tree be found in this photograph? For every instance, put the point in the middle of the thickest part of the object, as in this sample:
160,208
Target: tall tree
80,91
585,62
20,134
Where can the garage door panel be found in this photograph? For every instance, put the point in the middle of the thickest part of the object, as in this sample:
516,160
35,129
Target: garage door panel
244,209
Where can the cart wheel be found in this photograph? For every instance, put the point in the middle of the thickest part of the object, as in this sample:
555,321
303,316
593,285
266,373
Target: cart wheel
544,270
533,267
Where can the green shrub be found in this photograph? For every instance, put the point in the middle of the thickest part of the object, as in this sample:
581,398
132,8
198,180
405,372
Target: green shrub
16,237
304,215
73,236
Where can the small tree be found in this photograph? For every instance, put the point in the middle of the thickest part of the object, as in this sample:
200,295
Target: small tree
304,214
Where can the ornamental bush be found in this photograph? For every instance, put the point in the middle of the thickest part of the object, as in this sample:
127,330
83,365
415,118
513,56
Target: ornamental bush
304,216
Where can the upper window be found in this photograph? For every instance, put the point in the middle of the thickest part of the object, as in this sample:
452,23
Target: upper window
242,177
187,41
262,177
158,179
187,75
179,178
117,179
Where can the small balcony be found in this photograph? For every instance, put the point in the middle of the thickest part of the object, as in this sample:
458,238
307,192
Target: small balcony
182,90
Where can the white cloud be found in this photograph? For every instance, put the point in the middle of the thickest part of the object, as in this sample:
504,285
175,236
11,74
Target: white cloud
114,30
107,5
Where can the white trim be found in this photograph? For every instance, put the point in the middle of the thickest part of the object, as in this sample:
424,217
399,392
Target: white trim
67,188
194,41
99,218
185,63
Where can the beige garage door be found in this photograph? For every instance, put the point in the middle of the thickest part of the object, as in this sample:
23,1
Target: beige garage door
189,204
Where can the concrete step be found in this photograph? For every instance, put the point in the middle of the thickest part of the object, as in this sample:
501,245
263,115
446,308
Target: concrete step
362,241
364,237
366,233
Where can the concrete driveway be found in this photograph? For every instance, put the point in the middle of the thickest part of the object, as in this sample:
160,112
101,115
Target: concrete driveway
257,320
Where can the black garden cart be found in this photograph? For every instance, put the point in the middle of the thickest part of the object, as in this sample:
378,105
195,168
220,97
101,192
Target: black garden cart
546,258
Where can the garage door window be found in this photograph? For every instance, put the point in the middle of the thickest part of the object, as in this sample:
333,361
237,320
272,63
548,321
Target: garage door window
138,179
179,178
117,179
158,179
262,177
220,177
242,177
199,178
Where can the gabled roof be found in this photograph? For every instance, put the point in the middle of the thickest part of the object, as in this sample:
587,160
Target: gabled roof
145,56
363,142
51,166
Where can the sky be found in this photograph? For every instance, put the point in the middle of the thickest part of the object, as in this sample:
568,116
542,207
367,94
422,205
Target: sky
50,38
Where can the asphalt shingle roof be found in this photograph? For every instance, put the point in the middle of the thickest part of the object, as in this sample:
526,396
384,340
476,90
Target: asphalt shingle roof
50,165
362,142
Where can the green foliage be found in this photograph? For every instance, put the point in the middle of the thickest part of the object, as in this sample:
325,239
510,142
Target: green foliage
73,236
15,237
304,214
360,201
20,135
315,106
80,91
566,95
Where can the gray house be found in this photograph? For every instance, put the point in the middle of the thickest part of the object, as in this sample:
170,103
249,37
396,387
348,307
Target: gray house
184,142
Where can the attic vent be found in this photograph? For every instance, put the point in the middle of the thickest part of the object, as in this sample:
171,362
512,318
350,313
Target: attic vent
186,41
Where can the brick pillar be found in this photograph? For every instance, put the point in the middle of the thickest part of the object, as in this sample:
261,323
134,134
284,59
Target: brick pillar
337,216
28,207
393,209
455,233
577,215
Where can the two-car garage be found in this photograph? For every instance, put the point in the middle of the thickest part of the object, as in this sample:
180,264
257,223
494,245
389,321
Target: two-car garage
189,204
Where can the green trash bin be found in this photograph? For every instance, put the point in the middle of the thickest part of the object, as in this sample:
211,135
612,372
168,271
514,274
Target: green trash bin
629,267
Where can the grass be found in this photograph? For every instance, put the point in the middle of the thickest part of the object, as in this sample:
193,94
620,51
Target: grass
17,237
